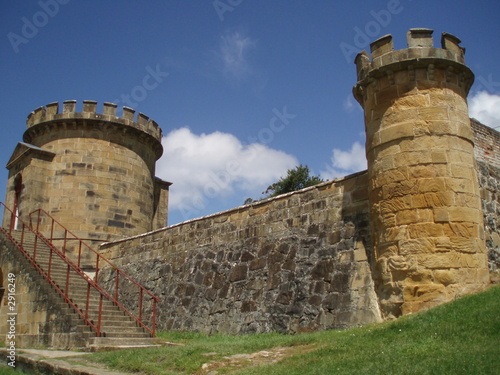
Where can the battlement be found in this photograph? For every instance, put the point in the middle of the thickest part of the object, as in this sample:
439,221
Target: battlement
51,112
420,50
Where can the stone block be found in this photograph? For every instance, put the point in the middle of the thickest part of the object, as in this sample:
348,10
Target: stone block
424,292
432,199
398,131
391,176
465,214
442,244
427,185
427,171
402,188
467,245
461,185
433,113
398,233
441,215
238,273
396,204
420,277
446,277
439,157
406,217
425,215
425,230
416,246
466,230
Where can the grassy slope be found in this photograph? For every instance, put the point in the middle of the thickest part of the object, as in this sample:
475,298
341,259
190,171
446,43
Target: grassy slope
4,370
462,337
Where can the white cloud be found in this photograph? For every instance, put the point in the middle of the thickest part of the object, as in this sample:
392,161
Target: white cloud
346,162
485,107
207,167
348,103
233,53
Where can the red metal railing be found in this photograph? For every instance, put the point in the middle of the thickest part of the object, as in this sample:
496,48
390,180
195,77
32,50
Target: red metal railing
84,254
31,256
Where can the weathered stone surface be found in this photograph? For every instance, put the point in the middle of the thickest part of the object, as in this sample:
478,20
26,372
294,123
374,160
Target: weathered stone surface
424,192
288,280
407,235
99,177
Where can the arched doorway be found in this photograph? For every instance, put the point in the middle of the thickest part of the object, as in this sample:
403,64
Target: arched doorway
18,187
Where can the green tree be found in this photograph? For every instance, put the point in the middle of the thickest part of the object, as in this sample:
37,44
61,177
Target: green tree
296,179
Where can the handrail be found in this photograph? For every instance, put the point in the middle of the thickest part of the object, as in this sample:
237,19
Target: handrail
99,257
32,260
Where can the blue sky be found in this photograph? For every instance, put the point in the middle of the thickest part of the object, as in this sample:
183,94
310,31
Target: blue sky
243,89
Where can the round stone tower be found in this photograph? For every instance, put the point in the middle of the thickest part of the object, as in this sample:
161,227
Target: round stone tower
426,213
94,172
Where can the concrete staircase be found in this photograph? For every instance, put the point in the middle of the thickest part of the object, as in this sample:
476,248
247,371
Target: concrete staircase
117,328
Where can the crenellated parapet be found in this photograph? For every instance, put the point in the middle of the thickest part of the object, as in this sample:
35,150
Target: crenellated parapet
51,113
425,205
385,62
93,169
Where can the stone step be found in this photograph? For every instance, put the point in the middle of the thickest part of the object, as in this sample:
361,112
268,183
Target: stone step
124,335
93,311
106,343
116,326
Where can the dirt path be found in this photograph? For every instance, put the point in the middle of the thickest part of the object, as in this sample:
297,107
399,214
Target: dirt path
237,362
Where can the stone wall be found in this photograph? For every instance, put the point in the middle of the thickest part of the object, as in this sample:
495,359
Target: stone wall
298,262
489,179
487,153
487,144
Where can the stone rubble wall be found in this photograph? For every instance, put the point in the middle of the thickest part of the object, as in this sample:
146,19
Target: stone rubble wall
487,154
489,180
294,263
298,262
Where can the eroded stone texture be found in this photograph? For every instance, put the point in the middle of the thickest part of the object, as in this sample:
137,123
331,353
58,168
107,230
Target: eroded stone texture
291,264
426,213
407,235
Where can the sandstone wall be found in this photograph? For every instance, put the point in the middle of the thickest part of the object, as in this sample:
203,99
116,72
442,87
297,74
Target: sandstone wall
426,214
298,262
94,172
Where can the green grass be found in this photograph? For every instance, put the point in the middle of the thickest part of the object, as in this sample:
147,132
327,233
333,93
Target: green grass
461,337
5,370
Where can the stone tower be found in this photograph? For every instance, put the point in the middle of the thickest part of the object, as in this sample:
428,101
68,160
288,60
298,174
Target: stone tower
426,213
94,172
